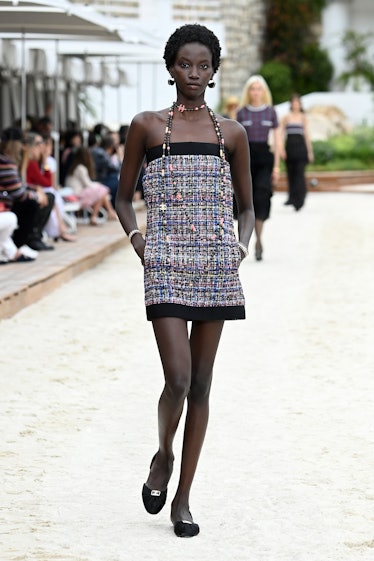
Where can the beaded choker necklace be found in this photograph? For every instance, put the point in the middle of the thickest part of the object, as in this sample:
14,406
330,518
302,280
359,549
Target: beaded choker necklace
182,108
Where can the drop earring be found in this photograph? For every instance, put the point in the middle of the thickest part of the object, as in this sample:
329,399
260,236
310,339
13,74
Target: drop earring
211,83
171,82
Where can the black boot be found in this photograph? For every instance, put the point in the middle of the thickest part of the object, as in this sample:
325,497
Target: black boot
35,240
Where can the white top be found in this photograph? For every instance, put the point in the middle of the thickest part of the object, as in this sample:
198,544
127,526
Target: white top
79,180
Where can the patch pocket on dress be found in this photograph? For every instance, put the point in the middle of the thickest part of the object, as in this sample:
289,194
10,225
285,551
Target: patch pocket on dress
239,254
236,256
146,253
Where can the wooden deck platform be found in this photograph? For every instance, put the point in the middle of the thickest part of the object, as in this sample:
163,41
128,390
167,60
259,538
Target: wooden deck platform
22,284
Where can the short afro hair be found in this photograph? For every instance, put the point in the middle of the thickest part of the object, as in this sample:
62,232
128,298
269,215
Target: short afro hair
192,33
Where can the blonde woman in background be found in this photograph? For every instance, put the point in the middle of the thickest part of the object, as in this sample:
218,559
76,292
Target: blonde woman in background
258,117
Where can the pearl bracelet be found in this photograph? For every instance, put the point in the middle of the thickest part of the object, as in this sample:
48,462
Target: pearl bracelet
244,249
132,233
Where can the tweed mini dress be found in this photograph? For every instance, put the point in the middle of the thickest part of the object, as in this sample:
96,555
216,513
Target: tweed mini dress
191,256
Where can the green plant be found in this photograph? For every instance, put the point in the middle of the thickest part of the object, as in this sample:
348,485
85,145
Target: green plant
361,69
314,71
290,39
278,77
323,151
354,151
339,165
342,144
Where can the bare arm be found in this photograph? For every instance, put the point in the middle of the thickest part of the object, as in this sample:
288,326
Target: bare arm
130,170
282,133
277,154
242,182
308,142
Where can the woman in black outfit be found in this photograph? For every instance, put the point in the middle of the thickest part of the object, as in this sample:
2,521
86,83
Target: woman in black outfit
298,151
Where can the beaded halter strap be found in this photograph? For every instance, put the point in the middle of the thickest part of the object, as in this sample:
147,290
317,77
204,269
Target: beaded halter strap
166,143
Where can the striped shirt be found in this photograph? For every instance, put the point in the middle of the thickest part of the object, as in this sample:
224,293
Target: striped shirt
294,128
11,186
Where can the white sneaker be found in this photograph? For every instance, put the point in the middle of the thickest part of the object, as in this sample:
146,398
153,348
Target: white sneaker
28,252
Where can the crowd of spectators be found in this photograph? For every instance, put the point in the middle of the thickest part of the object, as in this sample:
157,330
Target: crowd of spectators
33,170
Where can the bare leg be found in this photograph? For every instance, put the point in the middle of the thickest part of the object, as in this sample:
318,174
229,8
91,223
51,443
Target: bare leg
259,224
106,203
204,340
95,211
174,348
62,228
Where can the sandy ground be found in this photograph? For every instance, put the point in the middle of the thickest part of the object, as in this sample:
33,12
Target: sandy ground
287,470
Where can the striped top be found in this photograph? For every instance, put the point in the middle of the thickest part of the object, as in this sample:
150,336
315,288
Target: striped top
11,186
294,128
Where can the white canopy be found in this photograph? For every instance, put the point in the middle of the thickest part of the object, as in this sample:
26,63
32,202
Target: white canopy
54,18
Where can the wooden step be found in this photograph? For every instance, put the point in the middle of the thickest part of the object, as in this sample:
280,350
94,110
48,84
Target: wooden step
331,180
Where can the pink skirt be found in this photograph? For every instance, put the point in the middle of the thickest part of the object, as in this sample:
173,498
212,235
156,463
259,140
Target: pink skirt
89,196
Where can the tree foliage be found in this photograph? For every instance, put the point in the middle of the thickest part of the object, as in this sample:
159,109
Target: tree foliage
290,38
278,76
360,68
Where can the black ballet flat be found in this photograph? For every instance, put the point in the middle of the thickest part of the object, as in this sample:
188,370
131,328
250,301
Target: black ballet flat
186,529
153,499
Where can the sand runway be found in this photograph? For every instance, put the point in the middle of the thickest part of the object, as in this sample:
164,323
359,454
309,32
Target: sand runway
287,470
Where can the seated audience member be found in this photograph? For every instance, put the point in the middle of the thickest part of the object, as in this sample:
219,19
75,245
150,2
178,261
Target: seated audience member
92,195
9,252
39,172
118,149
70,140
100,130
107,170
31,206
43,126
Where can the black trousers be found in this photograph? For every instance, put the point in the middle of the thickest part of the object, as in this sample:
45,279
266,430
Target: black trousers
32,219
297,159
296,182
262,161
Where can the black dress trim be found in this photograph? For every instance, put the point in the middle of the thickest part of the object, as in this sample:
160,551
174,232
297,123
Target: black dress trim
195,313
185,149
